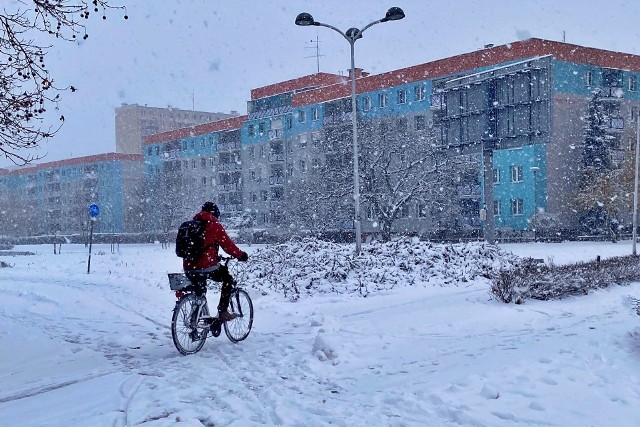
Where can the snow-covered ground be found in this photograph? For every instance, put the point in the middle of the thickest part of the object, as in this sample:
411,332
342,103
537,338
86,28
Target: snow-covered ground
80,349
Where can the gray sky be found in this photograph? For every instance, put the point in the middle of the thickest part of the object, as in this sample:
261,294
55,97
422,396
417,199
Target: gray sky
219,50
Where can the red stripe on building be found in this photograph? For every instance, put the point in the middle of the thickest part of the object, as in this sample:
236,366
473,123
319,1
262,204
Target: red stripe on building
310,81
473,60
217,126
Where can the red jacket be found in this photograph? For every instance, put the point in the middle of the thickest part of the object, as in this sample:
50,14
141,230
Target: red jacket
214,237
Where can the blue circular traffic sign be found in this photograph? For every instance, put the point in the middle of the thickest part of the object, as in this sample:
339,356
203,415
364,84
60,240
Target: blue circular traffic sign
94,210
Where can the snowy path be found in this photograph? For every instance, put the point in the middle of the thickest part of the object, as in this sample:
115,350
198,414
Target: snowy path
94,350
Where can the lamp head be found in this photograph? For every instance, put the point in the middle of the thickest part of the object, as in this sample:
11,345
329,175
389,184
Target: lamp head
305,19
353,34
393,14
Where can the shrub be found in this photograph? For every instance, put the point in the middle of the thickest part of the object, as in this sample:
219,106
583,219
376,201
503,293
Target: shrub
549,281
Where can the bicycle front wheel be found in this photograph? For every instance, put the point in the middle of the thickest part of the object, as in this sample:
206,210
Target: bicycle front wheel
187,337
240,304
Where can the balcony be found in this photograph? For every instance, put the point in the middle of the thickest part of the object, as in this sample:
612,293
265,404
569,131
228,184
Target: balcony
229,167
469,191
229,187
275,134
276,180
276,157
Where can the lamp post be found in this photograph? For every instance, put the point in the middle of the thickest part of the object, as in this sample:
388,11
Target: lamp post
634,232
535,170
351,35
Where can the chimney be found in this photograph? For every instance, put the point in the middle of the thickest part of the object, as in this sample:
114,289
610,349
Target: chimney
359,73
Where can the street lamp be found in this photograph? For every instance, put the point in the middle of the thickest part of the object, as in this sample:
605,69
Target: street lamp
351,35
535,170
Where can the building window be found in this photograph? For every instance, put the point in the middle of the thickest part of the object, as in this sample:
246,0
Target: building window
252,130
157,150
497,208
588,78
289,169
150,151
252,152
193,144
516,173
288,122
302,116
402,96
203,162
315,164
496,176
303,166
516,207
382,100
632,83
422,210
315,114
302,140
264,195
261,128
420,122
402,124
419,92
366,103
204,181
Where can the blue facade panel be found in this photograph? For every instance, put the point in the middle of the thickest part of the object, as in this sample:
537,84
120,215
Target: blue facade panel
527,185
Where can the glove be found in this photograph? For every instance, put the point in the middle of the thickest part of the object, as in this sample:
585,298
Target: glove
244,257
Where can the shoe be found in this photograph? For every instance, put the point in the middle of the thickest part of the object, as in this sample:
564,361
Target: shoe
216,327
225,316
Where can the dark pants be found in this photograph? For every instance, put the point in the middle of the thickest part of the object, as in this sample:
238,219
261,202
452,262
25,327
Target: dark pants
221,274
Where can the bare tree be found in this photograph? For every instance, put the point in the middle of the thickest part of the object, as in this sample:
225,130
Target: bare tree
27,88
400,171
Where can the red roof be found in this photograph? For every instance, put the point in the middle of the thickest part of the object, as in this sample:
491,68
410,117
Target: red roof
220,125
33,168
313,80
473,60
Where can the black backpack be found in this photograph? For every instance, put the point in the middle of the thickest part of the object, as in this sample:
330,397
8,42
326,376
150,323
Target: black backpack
190,240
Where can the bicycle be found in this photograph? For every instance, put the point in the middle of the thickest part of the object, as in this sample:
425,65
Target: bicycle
191,321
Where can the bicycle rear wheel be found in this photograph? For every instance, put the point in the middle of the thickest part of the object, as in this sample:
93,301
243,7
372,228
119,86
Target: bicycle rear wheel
187,337
240,304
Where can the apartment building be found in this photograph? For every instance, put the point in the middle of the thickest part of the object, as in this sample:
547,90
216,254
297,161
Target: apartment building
520,105
53,198
135,122
522,102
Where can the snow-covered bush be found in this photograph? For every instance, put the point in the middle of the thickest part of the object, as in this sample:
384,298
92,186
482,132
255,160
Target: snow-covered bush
312,266
548,281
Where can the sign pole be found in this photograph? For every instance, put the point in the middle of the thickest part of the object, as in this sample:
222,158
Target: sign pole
90,243
94,211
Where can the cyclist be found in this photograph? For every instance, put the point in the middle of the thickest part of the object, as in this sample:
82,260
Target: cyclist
206,266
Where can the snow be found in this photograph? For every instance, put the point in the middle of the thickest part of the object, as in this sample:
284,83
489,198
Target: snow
80,349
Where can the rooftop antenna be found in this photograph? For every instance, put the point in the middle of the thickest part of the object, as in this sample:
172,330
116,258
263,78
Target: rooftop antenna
317,54
193,99
564,36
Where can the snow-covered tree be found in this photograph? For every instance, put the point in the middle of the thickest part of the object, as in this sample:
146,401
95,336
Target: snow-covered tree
27,88
599,194
399,171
